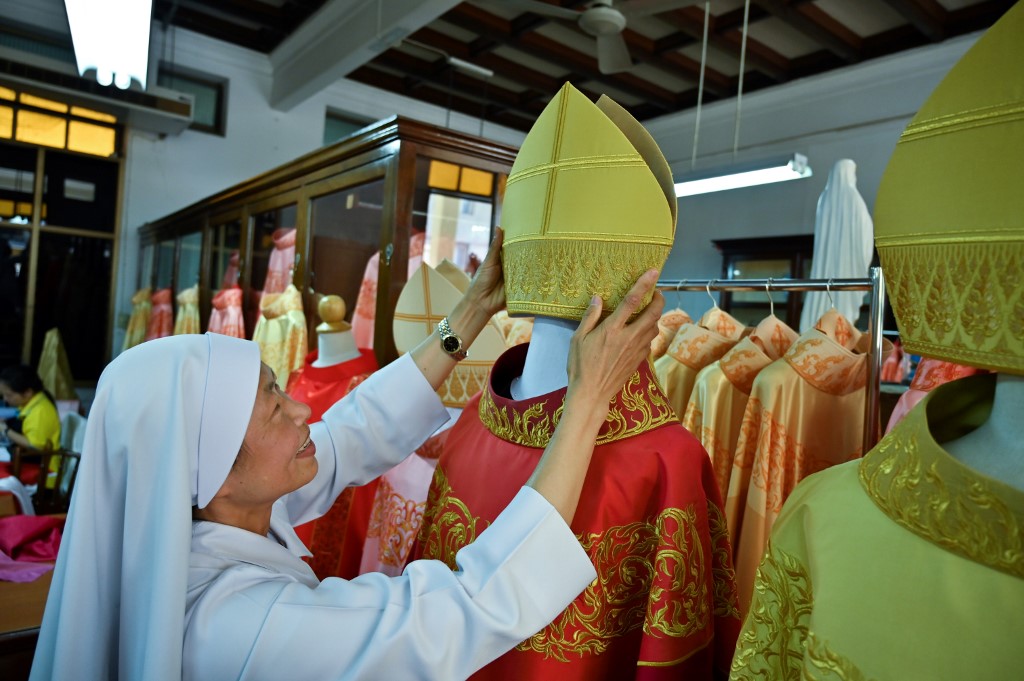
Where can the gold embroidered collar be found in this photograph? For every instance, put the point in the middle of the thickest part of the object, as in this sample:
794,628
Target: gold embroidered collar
639,407
698,345
827,365
914,481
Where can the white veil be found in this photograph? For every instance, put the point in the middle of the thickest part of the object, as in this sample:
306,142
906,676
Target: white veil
843,238
167,422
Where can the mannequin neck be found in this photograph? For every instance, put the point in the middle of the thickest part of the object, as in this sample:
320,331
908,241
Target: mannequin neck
546,359
334,348
995,447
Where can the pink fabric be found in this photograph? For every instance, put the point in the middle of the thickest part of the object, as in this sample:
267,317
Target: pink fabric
894,366
282,260
230,278
161,319
366,304
16,571
33,538
226,315
931,373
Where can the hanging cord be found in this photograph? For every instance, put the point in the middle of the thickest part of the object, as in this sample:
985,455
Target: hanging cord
739,93
700,84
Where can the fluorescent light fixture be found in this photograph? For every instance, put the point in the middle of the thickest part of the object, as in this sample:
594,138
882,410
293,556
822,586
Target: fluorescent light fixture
793,168
112,38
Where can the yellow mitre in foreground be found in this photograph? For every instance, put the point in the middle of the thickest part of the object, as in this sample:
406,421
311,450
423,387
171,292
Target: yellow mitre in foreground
949,218
429,296
589,207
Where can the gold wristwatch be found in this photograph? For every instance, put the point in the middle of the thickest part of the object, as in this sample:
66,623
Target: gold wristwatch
450,342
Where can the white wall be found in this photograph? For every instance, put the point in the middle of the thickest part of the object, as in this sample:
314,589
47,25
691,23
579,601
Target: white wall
856,113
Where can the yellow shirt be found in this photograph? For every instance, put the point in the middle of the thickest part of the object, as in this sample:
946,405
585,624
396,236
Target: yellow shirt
41,427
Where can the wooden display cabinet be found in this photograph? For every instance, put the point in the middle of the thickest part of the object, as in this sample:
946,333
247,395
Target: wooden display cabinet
359,199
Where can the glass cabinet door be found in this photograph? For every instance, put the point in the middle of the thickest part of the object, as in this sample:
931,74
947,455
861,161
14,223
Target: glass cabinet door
345,228
225,263
189,260
164,265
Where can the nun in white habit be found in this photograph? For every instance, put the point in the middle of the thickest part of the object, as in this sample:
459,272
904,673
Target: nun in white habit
179,560
843,243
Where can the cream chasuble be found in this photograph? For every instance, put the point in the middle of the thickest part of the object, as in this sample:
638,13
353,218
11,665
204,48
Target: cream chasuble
694,347
668,325
721,389
281,333
187,320
805,413
54,369
142,307
904,565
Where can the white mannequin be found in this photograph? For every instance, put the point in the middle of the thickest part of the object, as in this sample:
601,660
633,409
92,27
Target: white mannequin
334,340
545,369
996,447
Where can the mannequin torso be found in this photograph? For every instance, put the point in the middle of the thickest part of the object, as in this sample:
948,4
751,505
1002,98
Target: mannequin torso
996,447
335,347
546,360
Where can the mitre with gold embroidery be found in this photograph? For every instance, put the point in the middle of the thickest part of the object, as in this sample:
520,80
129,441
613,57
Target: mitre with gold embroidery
429,296
949,219
589,207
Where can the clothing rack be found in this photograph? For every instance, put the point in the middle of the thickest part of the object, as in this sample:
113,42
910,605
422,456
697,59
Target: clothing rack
875,283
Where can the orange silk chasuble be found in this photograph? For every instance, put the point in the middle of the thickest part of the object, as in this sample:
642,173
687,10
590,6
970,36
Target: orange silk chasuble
721,389
335,538
664,602
694,347
668,325
805,414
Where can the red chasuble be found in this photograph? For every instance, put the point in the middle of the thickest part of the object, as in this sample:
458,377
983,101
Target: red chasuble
650,517
336,538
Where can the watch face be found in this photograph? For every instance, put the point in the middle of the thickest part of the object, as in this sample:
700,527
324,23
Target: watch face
450,344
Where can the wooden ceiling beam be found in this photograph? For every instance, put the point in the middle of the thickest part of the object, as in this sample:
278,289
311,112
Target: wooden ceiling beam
441,74
894,40
816,25
727,21
374,77
927,16
582,66
976,17
225,30
644,50
759,56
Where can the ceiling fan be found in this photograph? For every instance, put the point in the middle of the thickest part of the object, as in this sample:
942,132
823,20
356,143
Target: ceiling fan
605,20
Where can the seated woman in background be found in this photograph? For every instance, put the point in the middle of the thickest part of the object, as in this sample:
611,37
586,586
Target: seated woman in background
37,424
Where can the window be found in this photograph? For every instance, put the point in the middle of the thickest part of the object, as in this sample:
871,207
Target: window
209,111
51,123
339,126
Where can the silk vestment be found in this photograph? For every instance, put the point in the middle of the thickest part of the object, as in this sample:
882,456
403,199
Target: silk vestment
903,565
649,516
138,322
694,347
281,333
721,389
805,413
161,317
187,320
226,313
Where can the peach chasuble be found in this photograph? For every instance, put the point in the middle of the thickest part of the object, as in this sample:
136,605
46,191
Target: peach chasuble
668,325
719,398
226,313
161,318
281,333
903,565
335,548
805,413
694,347
663,604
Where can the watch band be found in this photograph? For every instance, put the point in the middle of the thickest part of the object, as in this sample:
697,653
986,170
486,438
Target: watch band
451,343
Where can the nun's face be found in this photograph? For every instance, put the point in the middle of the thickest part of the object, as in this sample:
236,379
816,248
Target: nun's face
277,456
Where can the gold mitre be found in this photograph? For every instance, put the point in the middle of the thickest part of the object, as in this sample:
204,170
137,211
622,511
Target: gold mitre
589,207
949,218
427,297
